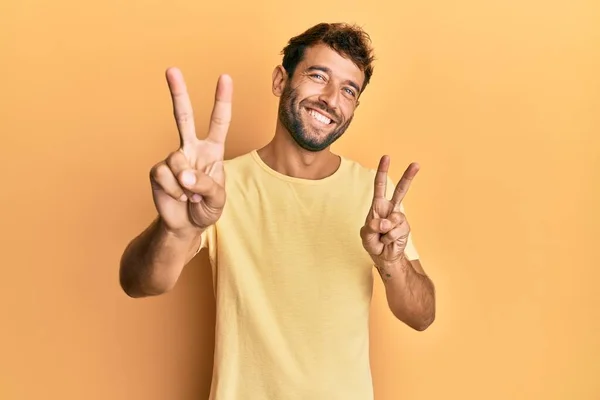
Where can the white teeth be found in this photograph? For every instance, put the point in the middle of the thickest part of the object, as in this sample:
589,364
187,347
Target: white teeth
319,117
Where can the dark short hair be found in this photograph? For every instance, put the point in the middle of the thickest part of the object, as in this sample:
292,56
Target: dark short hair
348,40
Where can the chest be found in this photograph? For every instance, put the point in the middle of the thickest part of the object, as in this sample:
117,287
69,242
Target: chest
297,250
304,226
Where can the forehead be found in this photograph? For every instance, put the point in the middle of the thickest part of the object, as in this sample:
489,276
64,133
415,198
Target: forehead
341,67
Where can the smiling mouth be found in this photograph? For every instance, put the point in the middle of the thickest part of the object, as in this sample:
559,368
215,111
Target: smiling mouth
319,117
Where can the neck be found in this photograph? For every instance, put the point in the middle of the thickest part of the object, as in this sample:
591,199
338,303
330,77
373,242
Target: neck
285,156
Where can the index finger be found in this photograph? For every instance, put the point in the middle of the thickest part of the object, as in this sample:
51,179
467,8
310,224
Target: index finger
182,106
381,178
404,184
221,113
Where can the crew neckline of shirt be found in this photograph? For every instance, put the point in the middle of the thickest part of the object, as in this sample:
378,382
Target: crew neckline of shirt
292,179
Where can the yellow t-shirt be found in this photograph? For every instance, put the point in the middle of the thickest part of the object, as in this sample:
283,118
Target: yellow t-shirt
293,284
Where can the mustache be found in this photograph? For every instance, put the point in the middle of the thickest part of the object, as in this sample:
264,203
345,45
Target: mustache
322,107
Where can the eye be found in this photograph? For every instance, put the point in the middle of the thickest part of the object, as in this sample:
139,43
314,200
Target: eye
318,76
350,92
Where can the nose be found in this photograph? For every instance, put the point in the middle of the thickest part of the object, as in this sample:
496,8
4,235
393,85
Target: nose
330,96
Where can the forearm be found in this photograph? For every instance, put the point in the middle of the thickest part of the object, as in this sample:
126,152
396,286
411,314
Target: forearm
153,261
410,294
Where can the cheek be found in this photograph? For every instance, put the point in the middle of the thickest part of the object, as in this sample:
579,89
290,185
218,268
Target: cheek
307,89
347,113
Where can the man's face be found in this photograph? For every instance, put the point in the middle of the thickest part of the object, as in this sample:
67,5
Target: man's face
317,104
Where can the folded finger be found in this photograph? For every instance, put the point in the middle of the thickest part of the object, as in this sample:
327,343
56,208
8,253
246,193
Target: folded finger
376,226
397,233
162,178
202,187
178,162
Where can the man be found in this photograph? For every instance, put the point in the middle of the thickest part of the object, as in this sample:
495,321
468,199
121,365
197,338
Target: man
293,231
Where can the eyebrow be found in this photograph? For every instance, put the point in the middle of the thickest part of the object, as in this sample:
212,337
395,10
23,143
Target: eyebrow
328,71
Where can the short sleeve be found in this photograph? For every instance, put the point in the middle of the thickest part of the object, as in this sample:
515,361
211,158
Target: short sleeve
410,251
208,241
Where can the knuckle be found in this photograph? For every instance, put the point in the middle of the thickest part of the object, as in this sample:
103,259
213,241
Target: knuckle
397,234
154,170
184,117
161,173
221,121
374,224
171,157
397,217
175,158
363,232
171,160
177,162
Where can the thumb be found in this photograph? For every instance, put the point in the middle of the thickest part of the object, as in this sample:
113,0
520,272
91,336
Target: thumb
217,172
371,233
206,205
203,188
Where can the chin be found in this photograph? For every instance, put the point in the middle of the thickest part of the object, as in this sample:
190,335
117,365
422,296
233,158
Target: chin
309,143
313,142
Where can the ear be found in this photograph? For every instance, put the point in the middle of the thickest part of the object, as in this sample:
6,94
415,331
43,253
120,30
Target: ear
279,80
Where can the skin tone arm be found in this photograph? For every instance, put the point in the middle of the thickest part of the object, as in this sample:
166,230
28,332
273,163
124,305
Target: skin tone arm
188,189
409,291
152,262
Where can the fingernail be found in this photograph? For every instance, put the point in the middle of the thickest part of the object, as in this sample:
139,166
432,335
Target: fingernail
188,178
196,198
183,198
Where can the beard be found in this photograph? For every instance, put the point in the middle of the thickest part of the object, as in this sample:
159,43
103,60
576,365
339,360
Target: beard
307,136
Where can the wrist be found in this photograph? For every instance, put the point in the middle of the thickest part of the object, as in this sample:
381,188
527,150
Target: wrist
399,263
184,234
390,267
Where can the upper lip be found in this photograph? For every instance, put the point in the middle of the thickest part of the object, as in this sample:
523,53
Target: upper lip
321,112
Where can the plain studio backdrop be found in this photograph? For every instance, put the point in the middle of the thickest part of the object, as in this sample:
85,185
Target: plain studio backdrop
499,101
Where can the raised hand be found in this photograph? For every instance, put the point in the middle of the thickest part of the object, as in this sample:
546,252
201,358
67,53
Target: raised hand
188,187
385,233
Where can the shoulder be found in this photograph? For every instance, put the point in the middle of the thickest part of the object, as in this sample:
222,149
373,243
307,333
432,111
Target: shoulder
358,170
361,172
364,176
238,161
239,166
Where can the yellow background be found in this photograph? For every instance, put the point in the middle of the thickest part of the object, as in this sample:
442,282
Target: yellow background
498,100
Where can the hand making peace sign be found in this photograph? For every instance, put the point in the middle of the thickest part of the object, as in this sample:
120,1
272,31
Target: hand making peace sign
188,187
385,233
